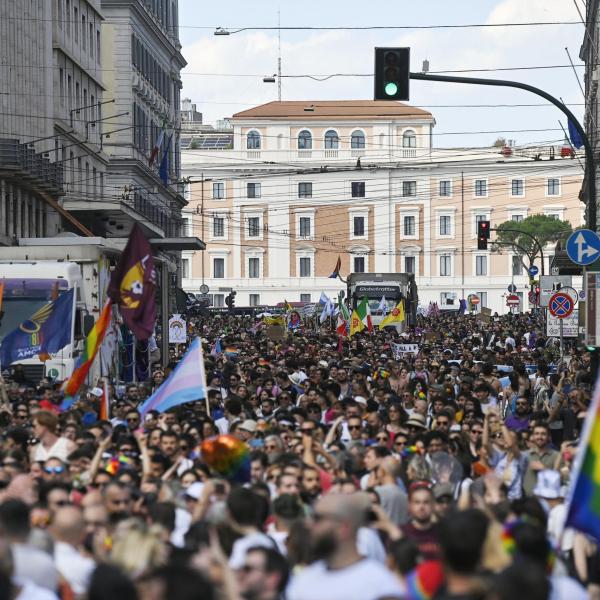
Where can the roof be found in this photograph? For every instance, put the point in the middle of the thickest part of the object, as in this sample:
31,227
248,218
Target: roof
333,109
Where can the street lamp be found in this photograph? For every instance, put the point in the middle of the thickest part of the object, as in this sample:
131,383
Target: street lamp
221,31
269,79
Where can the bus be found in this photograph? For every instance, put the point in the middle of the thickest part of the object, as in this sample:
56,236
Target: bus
391,286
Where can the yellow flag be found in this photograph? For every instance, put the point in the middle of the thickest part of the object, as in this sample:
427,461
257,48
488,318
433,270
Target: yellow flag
395,316
356,324
287,306
279,320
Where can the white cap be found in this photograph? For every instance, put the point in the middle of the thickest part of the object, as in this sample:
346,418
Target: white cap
96,392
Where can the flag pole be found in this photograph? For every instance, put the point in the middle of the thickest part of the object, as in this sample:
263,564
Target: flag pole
203,376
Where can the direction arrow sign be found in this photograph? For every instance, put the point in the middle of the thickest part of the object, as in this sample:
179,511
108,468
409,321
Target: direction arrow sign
533,270
583,246
561,305
512,288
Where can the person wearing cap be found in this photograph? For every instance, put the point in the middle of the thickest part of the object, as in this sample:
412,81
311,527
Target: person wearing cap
416,425
443,494
246,430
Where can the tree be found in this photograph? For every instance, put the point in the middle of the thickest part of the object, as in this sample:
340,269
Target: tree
543,228
500,142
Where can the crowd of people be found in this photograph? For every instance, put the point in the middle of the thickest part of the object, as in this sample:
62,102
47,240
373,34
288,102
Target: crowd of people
374,474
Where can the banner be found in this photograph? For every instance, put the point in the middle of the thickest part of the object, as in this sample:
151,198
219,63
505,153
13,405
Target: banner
400,350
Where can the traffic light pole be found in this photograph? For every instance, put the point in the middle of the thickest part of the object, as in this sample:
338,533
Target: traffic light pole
589,155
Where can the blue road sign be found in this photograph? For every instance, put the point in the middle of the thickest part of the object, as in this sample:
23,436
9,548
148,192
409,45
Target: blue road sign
533,270
561,305
583,246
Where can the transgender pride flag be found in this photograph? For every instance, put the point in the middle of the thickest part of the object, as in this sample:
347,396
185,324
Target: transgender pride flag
185,384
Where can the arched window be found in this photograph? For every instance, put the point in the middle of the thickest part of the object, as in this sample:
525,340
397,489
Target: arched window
409,139
304,140
253,140
357,140
332,141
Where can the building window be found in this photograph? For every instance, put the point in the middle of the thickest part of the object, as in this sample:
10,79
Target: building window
409,188
358,189
409,225
332,141
445,265
305,298
253,227
553,186
253,190
516,218
254,299
218,227
517,187
445,225
359,264
358,229
185,268
555,216
517,265
83,32
218,268
76,23
219,300
481,266
218,191
480,187
97,45
482,300
409,139
254,268
68,16
409,264
305,140
357,140
304,226
253,140
305,189
445,187
304,267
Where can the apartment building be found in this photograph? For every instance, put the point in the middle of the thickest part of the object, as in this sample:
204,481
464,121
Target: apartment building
50,114
300,183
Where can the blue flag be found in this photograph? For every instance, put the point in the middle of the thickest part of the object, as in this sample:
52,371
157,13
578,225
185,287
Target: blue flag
163,171
45,332
185,384
575,136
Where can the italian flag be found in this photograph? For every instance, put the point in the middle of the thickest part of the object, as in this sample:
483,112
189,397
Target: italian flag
343,318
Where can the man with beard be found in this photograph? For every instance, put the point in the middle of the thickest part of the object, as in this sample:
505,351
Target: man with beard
520,420
310,484
341,572
264,575
421,527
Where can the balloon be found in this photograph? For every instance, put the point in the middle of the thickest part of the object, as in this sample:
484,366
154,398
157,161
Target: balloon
228,456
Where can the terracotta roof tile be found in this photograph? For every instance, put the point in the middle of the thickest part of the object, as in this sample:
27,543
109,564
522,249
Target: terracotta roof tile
333,109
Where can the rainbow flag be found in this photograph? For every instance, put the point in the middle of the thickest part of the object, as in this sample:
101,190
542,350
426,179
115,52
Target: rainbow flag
583,512
84,362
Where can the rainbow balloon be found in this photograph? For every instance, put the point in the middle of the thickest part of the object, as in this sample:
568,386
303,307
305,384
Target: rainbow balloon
228,456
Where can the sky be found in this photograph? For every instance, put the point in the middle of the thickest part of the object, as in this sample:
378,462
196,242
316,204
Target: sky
224,73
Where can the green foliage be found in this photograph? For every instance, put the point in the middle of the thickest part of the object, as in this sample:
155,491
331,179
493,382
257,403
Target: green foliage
543,228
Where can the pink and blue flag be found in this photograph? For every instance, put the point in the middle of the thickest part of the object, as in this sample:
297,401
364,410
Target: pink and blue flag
186,383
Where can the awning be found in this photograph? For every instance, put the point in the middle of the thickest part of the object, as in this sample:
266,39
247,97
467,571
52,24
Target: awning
177,243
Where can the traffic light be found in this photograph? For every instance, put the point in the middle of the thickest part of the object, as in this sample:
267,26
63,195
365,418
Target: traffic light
594,361
230,300
392,73
483,234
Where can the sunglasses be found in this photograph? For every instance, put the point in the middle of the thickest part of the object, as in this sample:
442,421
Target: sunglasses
62,503
58,470
477,431
354,427
308,430
381,438
400,443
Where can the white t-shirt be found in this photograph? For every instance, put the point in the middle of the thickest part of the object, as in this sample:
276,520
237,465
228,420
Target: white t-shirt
365,580
241,546
73,566
31,591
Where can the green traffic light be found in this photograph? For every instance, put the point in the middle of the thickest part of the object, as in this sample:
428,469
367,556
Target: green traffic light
391,89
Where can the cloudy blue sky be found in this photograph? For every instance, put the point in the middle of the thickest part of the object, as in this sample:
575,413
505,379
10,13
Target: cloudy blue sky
224,73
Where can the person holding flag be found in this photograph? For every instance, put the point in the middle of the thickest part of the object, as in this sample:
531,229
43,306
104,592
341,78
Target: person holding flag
361,318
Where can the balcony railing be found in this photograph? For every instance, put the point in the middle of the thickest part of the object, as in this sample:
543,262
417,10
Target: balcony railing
23,161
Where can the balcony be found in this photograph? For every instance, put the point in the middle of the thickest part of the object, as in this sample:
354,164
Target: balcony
22,162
